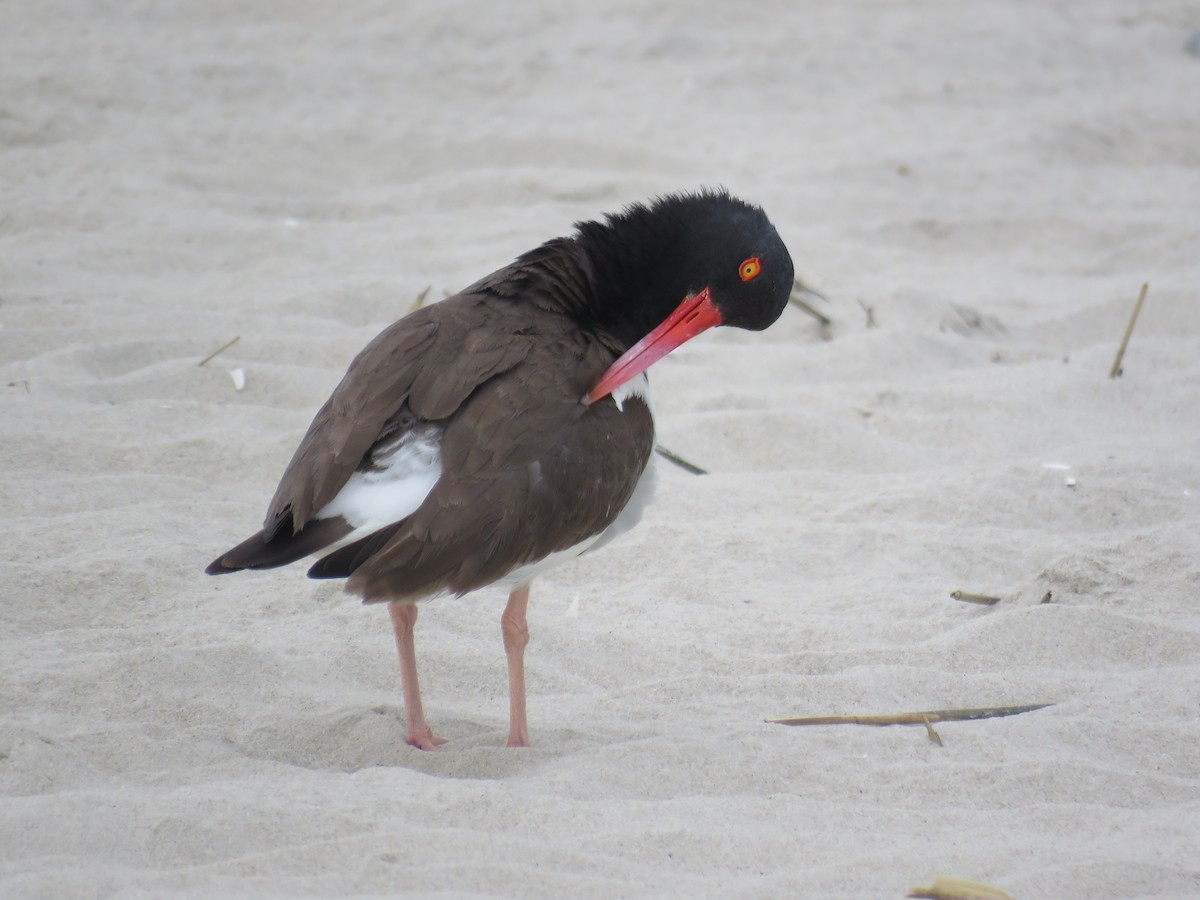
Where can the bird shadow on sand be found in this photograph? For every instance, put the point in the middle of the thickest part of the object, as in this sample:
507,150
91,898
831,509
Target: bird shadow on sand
352,740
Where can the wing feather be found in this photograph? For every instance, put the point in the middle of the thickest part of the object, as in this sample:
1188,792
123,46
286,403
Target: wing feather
425,360
528,470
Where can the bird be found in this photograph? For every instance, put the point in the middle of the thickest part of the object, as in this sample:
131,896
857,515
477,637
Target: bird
484,438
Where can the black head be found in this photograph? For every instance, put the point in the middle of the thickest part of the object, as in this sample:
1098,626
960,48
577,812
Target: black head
649,257
664,273
731,247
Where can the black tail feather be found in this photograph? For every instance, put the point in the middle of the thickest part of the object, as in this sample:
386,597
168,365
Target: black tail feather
343,561
259,552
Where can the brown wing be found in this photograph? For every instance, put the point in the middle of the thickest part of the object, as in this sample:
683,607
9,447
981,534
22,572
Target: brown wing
527,470
432,360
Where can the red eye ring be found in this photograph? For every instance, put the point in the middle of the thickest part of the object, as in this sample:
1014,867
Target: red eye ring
750,268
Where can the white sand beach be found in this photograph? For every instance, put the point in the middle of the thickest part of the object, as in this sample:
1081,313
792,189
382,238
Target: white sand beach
993,183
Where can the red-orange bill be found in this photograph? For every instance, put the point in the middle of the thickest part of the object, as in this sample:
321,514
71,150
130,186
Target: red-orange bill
694,315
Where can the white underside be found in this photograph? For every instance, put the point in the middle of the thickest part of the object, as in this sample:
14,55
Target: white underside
643,493
405,471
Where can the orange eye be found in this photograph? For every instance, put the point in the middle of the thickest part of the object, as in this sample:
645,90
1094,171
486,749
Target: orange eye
750,268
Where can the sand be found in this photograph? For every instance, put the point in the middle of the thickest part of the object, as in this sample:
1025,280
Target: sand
994,182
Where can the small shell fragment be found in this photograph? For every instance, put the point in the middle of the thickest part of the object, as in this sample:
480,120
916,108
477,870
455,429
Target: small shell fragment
239,378
1070,481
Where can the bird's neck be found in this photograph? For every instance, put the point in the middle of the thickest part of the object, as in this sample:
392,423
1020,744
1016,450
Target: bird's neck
634,279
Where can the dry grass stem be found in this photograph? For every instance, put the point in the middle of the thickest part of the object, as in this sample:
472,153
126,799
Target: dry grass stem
1137,308
797,298
420,299
926,718
967,597
219,351
679,460
933,735
820,317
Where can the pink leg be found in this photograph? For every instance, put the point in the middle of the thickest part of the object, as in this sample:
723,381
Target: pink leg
515,629
404,617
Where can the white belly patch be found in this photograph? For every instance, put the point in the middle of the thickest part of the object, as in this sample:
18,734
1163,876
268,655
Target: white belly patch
401,475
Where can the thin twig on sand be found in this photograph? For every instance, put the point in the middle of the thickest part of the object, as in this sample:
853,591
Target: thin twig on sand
925,718
679,460
1137,308
802,290
933,735
967,597
219,351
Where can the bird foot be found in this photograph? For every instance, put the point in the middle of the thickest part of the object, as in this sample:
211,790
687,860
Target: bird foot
425,739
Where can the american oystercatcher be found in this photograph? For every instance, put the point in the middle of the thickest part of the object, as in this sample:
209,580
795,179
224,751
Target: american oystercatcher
485,437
